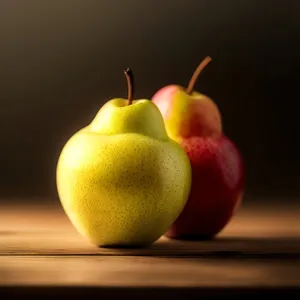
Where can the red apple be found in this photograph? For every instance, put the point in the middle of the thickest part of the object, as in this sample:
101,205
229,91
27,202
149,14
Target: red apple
194,121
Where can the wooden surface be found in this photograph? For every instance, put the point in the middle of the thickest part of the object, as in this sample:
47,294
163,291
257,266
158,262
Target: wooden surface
40,249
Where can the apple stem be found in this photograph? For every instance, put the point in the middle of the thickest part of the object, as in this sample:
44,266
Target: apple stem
196,74
130,84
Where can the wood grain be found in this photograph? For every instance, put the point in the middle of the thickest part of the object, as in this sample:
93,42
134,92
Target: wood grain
259,248
254,231
147,271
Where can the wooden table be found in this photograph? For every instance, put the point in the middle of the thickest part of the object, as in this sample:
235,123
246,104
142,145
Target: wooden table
42,254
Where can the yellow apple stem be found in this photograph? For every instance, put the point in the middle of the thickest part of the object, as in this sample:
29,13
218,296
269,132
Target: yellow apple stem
130,84
196,74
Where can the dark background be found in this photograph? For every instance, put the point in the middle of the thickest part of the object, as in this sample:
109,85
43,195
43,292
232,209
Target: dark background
61,60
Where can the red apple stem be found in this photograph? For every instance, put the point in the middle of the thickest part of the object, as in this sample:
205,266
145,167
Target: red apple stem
196,74
130,84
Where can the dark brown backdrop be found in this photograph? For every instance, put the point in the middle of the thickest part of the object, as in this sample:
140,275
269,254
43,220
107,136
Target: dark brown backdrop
61,60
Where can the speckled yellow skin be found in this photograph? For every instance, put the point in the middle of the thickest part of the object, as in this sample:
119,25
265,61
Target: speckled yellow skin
121,180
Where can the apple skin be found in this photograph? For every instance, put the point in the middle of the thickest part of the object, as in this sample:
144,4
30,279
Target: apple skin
217,188
187,115
218,176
